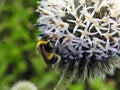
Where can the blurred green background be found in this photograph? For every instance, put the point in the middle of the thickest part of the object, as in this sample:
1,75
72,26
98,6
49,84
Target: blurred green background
19,59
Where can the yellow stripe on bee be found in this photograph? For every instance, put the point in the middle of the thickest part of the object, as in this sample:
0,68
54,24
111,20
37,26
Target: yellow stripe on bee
50,56
41,42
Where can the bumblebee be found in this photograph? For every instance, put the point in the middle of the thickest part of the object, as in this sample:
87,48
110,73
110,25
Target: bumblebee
46,48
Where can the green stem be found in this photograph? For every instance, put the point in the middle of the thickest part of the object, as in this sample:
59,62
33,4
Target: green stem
62,84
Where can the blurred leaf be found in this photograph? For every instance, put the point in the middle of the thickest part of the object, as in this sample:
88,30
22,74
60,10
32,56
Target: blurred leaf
101,85
77,87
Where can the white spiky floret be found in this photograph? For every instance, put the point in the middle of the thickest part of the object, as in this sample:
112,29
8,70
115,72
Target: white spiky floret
92,27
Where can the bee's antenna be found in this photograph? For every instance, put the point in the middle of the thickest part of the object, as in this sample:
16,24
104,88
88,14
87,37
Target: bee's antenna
39,25
41,35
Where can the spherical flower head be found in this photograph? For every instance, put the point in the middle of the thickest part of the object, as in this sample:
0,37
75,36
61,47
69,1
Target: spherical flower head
24,85
86,34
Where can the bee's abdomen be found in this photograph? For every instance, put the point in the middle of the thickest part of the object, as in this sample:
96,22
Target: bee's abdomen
53,60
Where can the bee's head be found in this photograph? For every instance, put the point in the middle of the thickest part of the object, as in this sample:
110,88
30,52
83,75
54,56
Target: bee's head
52,38
43,37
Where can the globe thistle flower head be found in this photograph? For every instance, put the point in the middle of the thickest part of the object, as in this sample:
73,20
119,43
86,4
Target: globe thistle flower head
24,85
85,33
